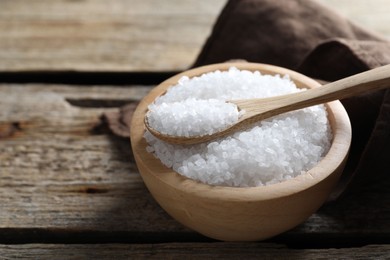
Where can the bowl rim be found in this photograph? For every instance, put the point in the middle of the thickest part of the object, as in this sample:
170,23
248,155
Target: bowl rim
341,130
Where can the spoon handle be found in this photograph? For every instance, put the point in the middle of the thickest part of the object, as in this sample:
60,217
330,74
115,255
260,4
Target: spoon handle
257,109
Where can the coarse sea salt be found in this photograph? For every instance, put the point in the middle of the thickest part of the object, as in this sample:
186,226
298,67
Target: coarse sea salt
271,151
192,117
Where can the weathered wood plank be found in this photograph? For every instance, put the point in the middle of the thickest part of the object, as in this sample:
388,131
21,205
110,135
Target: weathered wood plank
371,14
120,35
103,35
56,172
188,251
63,179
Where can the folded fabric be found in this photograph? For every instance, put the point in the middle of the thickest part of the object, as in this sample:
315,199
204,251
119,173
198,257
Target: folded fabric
308,37
285,33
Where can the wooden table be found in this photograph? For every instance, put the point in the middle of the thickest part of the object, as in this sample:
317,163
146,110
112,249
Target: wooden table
70,189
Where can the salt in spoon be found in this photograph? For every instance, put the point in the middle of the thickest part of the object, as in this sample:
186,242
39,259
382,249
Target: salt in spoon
258,109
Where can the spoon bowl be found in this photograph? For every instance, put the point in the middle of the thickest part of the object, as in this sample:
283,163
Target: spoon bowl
238,213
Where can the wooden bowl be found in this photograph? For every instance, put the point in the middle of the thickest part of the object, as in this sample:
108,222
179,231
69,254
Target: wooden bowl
236,213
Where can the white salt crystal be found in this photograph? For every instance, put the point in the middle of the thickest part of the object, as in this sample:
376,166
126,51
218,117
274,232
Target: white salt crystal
273,150
192,117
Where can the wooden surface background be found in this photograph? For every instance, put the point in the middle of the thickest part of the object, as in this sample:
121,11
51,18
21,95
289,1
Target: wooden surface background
122,35
99,35
65,179
69,188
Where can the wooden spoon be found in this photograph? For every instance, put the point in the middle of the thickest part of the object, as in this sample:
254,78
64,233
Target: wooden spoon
262,108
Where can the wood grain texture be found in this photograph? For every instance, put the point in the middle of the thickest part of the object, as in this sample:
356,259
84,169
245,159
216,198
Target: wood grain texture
120,35
64,179
372,14
59,172
188,251
91,35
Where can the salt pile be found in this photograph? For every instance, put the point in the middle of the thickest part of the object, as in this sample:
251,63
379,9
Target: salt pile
273,150
192,117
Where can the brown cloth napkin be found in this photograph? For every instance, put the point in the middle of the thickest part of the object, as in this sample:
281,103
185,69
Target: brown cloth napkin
306,36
